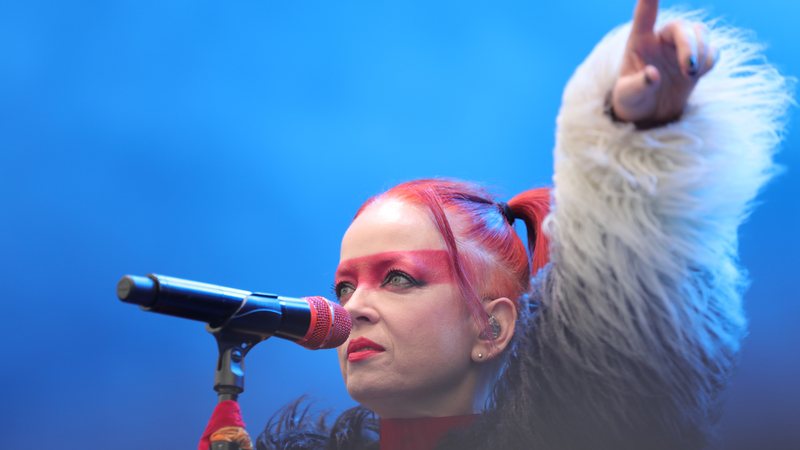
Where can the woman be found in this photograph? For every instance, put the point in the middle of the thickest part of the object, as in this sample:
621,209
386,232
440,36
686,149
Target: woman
626,337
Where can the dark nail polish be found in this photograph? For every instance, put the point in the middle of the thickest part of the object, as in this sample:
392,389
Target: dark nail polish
692,65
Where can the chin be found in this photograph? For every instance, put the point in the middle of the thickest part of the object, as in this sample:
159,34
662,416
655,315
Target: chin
374,398
363,394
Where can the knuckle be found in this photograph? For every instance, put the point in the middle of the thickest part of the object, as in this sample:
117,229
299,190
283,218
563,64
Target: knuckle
676,26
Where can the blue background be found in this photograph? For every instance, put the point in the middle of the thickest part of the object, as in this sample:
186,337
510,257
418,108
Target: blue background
231,142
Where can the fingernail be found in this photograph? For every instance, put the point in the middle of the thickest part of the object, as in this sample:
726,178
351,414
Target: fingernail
692,65
647,80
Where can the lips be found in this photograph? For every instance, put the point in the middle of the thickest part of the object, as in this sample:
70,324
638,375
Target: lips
362,348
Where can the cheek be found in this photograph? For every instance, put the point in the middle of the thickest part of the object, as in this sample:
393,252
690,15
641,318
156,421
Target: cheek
446,305
441,322
341,353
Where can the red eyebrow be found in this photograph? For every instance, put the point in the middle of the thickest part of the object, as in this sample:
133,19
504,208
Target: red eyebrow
432,266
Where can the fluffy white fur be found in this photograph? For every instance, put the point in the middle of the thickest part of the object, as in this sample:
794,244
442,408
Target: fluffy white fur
644,297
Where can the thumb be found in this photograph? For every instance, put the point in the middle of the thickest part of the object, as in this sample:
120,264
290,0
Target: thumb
634,95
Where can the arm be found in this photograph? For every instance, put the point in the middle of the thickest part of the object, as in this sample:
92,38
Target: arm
641,315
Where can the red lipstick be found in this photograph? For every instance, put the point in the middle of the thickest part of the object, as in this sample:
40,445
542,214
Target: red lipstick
362,348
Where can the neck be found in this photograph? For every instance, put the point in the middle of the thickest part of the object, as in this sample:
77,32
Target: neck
419,433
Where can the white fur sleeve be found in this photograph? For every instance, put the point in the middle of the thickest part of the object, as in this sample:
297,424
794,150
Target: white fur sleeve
645,289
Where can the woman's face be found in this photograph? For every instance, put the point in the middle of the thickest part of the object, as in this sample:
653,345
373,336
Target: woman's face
410,350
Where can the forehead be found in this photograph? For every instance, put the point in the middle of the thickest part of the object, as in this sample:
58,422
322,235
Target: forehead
390,225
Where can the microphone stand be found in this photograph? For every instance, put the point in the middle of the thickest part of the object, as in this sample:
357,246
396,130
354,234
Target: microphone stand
256,316
229,374
233,345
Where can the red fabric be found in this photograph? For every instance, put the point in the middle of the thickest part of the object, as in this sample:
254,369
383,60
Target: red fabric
226,414
419,433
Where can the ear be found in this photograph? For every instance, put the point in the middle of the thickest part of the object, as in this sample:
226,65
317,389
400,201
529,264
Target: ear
491,342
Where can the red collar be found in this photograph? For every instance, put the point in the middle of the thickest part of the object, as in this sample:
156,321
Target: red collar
419,433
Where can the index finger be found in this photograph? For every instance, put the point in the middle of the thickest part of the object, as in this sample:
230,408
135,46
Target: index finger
644,16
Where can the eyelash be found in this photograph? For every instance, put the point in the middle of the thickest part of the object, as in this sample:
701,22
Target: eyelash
398,272
337,288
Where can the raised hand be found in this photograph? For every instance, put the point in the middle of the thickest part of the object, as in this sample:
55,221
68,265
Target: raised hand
660,68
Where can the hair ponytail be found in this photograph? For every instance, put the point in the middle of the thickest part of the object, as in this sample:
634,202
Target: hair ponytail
532,207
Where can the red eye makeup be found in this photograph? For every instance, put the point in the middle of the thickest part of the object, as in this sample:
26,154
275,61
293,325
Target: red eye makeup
424,266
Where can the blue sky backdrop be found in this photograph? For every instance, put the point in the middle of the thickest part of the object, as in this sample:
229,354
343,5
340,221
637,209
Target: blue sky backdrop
231,142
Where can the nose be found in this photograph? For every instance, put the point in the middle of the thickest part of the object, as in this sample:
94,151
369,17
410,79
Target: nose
361,307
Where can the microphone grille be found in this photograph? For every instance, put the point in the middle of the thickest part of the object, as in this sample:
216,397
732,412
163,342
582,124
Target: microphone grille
342,323
331,327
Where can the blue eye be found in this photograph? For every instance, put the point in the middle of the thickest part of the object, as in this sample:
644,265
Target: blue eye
343,291
399,279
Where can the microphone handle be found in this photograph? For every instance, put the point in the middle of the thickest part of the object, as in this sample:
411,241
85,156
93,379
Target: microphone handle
255,314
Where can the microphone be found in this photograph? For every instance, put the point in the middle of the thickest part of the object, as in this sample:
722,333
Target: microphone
312,322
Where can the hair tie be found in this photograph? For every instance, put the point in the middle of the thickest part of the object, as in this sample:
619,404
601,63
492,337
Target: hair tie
505,210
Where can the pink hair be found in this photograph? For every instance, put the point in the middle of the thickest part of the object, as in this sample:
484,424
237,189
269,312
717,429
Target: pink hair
487,256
